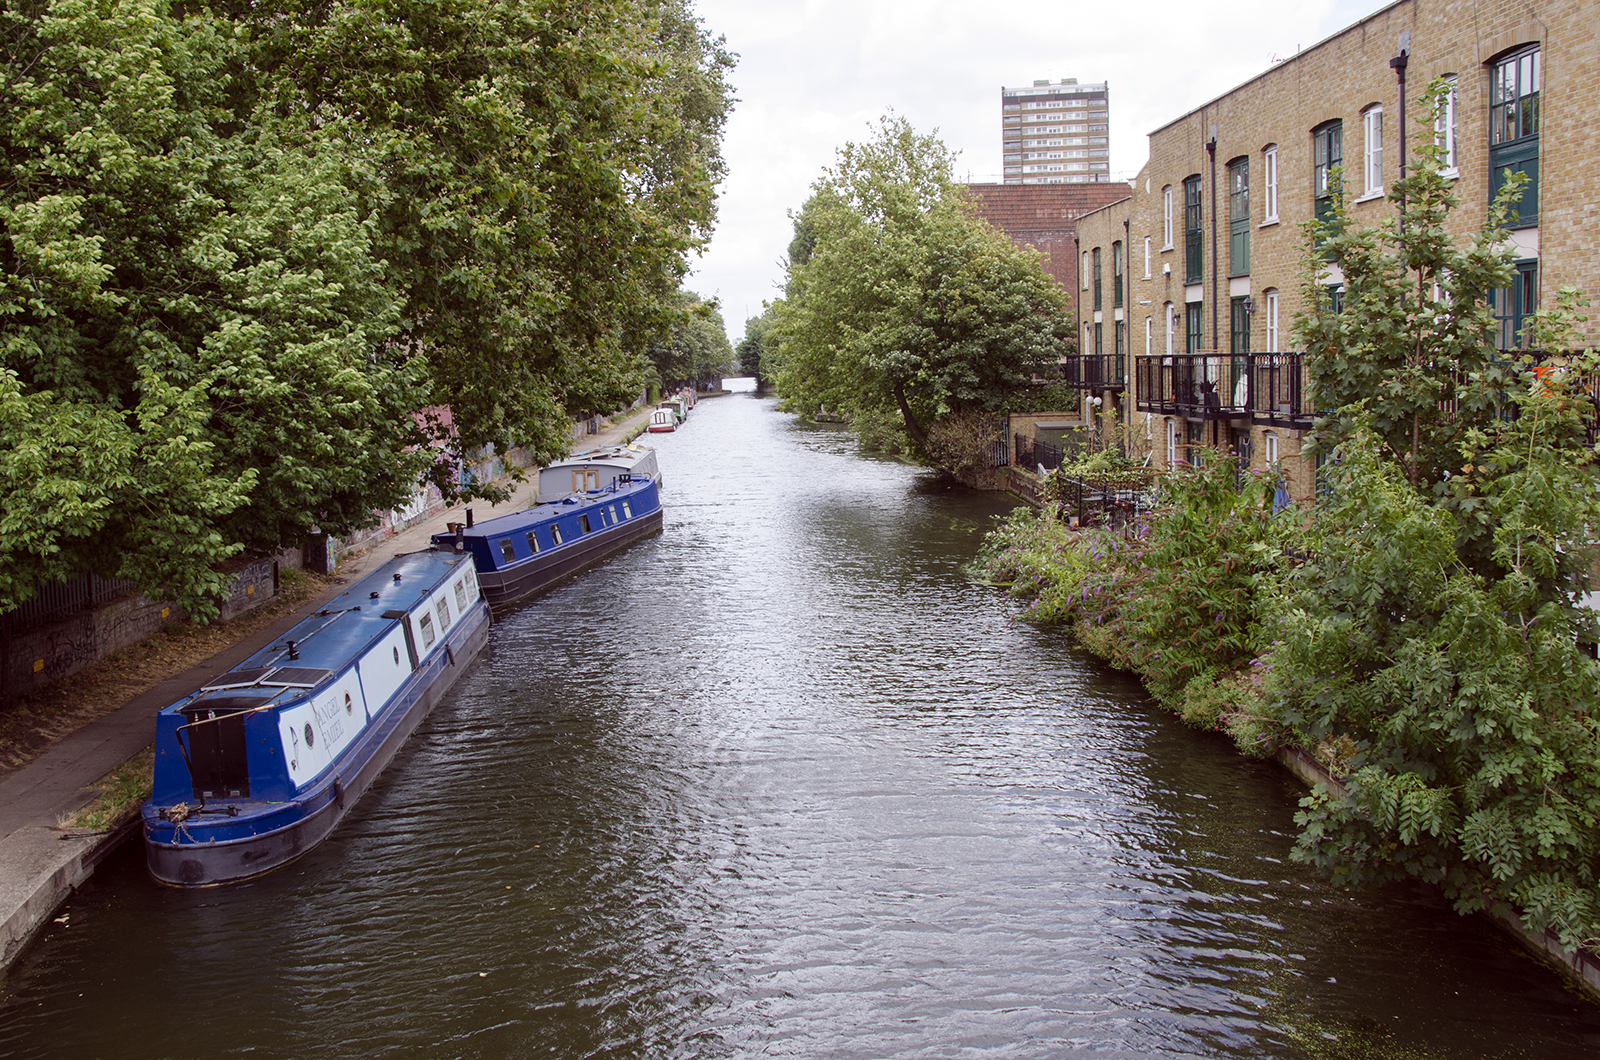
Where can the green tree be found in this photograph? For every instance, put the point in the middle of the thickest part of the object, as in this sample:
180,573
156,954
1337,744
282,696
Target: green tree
758,338
537,175
1414,324
194,323
695,347
900,302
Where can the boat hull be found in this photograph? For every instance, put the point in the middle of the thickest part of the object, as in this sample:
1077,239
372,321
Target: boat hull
507,587
314,813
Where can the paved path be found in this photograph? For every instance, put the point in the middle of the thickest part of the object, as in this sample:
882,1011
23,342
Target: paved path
39,864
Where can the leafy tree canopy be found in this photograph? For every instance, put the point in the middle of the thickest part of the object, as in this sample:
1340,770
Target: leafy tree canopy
243,245
696,347
900,301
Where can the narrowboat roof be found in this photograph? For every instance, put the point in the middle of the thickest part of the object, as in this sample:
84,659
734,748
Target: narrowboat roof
624,455
545,511
329,639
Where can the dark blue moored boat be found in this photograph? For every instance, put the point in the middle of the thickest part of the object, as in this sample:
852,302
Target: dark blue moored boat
256,768
526,551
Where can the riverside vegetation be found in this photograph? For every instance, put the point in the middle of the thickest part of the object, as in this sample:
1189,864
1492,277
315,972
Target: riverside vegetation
263,266
1420,629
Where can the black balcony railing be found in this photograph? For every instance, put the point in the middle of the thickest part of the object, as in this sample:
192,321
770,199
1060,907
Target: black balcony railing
1095,371
1203,385
1277,391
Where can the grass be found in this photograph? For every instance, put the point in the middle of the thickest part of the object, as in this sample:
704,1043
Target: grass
121,792
37,719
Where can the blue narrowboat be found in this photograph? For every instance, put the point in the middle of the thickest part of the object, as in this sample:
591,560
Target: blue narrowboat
257,767
526,551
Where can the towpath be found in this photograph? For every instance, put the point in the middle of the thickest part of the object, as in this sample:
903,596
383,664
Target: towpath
39,863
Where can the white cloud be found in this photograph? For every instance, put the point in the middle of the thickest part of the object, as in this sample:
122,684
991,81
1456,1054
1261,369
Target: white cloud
815,73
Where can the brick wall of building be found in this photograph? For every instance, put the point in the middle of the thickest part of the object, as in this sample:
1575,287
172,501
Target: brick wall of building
1043,216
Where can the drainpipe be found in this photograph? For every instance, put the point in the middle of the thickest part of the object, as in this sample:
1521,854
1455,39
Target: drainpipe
1399,65
1127,318
1211,149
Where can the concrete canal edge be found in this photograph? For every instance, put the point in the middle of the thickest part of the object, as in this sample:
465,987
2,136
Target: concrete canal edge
1579,967
42,867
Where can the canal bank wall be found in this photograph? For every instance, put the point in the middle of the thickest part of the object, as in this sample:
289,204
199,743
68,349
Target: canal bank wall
1579,967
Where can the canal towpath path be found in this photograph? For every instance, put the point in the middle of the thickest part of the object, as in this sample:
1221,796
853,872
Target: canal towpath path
42,863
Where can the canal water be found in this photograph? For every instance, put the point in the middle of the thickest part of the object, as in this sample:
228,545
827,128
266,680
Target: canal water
785,782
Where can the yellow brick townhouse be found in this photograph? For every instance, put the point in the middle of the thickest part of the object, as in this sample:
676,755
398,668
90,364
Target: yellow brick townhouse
1188,287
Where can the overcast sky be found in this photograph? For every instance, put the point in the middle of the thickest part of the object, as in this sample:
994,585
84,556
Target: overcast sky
814,74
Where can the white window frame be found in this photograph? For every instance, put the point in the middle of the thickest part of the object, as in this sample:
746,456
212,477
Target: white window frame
1083,270
1269,445
1172,441
1147,257
1272,320
1444,128
1372,151
1166,217
1172,323
1269,181
1149,336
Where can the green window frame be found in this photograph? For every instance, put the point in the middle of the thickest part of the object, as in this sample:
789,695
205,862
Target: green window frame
1193,236
1095,256
1118,267
1327,156
1513,305
1239,329
1099,339
1193,327
1239,217
1514,119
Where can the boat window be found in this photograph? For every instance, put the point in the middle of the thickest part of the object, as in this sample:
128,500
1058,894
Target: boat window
533,542
583,523
444,614
461,592
555,532
426,628
613,515
627,512
507,550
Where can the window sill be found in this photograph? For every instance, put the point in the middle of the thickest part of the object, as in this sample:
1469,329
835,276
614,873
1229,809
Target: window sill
1268,223
1168,247
1450,174
1375,193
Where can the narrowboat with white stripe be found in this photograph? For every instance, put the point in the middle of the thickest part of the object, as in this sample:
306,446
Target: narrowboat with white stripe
257,767
522,553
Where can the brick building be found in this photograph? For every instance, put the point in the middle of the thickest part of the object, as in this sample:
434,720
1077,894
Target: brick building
1189,286
1045,216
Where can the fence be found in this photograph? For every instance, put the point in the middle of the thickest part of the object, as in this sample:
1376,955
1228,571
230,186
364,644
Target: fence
1114,503
56,600
1034,454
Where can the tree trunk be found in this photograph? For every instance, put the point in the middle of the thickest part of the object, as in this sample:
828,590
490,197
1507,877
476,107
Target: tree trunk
912,426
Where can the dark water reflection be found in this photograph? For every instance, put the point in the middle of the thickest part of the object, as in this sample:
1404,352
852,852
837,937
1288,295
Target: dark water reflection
783,782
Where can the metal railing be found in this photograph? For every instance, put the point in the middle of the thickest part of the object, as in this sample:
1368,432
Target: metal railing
1095,371
56,600
1033,454
1277,391
1202,385
1115,503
